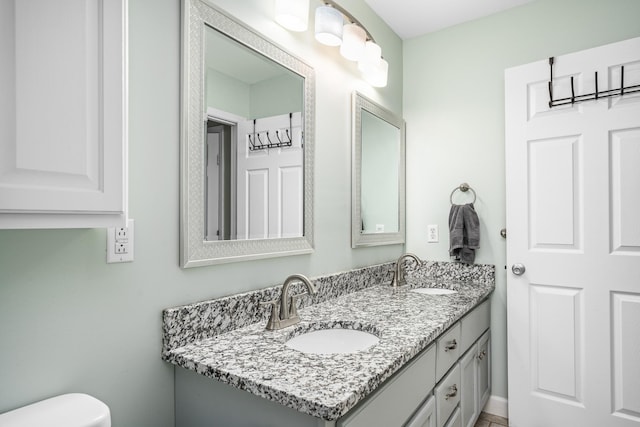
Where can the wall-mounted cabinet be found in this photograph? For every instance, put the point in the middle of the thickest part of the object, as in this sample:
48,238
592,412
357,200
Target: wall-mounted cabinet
63,113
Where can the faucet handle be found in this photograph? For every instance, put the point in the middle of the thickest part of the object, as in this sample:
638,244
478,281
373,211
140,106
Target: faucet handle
274,318
293,306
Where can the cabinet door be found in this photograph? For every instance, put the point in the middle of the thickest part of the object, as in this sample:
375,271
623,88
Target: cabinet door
426,415
62,113
484,369
455,420
469,387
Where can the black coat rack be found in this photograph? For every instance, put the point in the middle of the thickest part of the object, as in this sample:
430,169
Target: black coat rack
256,141
573,99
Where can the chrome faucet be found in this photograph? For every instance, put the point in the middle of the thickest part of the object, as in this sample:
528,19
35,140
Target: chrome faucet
398,275
285,312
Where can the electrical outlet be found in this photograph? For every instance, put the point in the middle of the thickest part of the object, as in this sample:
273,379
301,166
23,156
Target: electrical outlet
120,243
432,233
122,233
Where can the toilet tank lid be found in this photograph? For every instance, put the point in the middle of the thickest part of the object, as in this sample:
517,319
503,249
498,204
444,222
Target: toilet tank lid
67,410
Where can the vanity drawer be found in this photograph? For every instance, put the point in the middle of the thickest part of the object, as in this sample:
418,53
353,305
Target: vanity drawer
394,402
474,324
447,396
448,350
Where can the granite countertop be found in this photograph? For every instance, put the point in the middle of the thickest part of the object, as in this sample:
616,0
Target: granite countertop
328,385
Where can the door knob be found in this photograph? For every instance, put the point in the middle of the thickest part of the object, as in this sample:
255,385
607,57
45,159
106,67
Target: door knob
518,269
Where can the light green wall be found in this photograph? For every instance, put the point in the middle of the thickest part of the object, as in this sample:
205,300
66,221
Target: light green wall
228,94
280,95
272,97
454,109
70,322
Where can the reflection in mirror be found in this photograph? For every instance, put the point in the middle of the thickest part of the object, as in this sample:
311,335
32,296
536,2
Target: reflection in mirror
380,165
378,175
246,178
254,150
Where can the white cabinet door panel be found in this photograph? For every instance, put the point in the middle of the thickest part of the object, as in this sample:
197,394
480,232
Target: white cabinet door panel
63,122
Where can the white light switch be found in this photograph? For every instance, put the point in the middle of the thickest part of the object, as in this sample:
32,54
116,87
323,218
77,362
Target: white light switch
120,243
432,233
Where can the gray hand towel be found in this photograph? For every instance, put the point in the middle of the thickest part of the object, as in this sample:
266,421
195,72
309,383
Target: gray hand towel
464,233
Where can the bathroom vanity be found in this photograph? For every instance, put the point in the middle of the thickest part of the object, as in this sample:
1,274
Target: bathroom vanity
430,366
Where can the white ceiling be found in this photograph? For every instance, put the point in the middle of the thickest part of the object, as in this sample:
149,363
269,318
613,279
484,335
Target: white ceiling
411,18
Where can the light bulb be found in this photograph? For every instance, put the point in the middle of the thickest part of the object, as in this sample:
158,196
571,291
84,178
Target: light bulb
371,57
329,23
292,14
353,42
377,76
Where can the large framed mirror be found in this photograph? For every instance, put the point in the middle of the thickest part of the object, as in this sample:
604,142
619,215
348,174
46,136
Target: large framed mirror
246,143
378,175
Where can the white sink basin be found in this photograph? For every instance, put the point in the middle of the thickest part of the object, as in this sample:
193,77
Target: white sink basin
434,291
332,341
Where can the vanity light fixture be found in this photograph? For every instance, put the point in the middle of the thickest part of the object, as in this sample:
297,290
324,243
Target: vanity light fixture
356,43
292,14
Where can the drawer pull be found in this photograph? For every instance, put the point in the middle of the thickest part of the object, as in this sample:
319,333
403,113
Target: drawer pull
453,392
451,345
482,354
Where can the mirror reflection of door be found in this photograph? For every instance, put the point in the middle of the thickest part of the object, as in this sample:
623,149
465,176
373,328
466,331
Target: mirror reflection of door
271,181
253,193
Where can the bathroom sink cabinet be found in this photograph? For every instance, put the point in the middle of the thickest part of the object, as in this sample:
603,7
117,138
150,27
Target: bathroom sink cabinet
437,388
63,121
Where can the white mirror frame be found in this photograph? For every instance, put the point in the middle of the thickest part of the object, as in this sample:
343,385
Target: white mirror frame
358,239
194,249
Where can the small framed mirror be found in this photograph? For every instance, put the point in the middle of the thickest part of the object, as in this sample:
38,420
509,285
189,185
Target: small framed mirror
378,175
246,143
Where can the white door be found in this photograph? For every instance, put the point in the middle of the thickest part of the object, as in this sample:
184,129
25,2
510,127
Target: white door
270,181
573,216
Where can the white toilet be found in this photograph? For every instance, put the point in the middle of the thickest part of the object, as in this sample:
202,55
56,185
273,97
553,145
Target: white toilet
67,410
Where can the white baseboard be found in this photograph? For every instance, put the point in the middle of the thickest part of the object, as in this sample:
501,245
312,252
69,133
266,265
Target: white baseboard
497,406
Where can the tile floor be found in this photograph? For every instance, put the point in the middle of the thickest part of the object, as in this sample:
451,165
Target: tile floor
488,420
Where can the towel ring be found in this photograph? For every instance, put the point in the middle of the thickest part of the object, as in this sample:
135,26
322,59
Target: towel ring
464,187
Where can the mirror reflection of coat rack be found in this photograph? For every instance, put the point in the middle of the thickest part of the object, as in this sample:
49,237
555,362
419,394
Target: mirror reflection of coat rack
212,226
378,175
